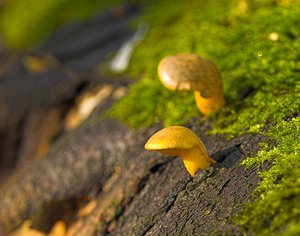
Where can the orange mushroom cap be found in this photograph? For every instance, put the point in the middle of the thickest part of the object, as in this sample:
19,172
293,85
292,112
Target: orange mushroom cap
182,142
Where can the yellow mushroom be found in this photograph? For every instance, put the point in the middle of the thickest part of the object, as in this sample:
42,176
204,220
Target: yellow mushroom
191,72
182,142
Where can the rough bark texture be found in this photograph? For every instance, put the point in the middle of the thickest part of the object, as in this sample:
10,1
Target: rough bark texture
155,195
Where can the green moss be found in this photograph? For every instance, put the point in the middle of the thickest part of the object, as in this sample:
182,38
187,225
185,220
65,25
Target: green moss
238,43
261,86
152,103
25,22
276,209
155,103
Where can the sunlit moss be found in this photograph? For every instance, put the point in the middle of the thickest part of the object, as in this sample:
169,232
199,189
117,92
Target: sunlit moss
157,105
251,64
261,86
276,210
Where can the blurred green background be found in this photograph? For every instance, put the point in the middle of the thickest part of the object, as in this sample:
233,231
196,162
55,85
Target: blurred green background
25,22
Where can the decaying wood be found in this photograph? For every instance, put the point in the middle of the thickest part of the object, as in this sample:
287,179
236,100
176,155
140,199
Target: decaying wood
158,196
65,174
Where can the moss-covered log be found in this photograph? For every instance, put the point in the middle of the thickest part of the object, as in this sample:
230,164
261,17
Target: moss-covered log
128,191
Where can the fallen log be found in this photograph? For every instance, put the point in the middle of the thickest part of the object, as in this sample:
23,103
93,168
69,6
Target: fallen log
155,195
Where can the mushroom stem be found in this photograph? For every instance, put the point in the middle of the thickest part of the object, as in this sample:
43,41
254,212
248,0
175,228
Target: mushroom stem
210,105
195,159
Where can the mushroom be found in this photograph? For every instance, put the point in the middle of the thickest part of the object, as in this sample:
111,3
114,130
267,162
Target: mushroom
182,142
191,72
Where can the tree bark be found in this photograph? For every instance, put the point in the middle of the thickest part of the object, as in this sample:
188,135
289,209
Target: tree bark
145,193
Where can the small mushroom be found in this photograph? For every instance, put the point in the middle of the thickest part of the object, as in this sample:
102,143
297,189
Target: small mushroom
182,142
191,72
